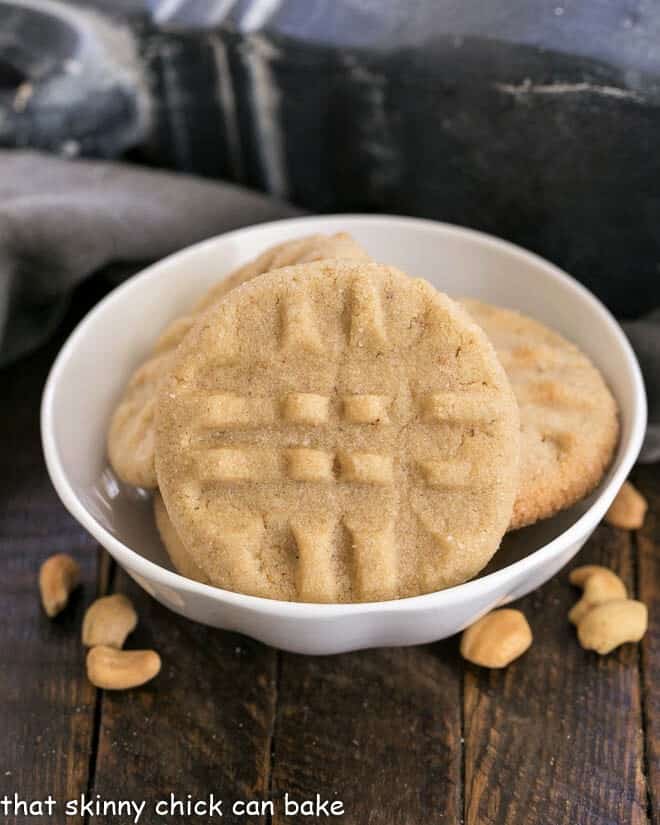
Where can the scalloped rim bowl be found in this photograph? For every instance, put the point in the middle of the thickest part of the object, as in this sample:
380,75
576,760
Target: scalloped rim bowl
93,365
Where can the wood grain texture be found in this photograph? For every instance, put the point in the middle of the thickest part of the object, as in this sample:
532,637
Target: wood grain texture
203,725
557,737
648,576
46,704
378,730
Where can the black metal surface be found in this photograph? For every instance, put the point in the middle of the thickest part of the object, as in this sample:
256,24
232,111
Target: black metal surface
61,88
535,121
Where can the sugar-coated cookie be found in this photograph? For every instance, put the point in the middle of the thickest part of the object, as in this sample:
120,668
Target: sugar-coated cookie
176,550
131,431
568,417
337,431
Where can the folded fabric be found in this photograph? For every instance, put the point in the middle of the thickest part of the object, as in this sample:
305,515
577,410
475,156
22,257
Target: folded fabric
61,221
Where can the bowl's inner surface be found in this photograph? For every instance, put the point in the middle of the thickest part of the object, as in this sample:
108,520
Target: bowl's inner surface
121,331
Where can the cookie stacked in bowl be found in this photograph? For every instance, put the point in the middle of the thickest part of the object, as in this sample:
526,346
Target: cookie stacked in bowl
323,428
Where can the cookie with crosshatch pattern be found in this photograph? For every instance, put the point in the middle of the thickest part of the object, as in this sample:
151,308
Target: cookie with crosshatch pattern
175,548
560,394
568,417
130,441
337,432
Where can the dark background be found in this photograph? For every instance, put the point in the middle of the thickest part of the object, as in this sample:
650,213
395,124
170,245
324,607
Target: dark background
537,121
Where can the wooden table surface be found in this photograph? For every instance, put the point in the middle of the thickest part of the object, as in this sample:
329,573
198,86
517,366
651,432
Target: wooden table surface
562,737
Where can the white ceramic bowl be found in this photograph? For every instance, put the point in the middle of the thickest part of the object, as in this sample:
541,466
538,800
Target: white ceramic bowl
90,372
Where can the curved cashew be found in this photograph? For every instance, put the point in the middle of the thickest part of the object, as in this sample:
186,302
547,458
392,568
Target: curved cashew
496,639
114,669
108,621
59,576
579,575
628,508
609,625
599,584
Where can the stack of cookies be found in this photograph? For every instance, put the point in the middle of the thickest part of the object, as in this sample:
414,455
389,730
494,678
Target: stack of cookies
324,428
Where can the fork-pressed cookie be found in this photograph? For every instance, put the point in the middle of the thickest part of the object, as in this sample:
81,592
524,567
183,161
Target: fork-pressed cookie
337,431
176,549
131,432
568,417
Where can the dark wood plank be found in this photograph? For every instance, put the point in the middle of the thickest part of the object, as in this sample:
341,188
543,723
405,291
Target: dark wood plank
378,730
46,704
648,574
203,725
557,737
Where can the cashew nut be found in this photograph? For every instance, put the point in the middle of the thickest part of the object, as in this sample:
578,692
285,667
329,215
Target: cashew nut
108,621
59,576
114,669
496,639
579,575
609,625
628,508
599,584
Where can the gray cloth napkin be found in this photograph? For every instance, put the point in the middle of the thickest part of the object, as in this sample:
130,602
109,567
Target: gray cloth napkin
61,221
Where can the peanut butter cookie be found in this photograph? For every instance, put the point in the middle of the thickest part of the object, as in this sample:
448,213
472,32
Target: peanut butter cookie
568,417
131,431
337,431
176,550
